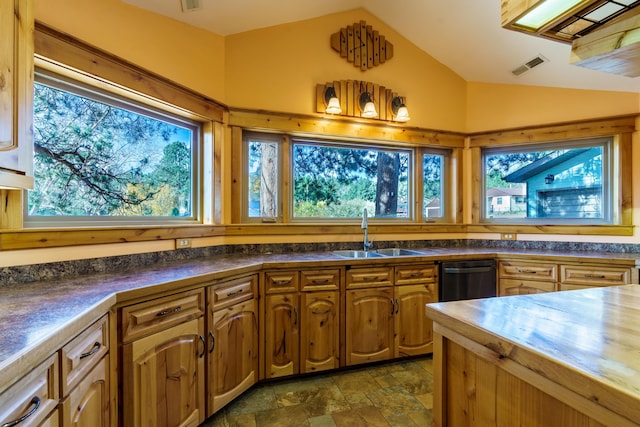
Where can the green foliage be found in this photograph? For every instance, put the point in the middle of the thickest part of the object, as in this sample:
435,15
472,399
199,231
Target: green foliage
95,159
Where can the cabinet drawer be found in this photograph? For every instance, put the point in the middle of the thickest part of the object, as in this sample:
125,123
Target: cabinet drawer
528,270
281,281
33,396
524,287
414,274
369,277
83,353
594,275
233,291
152,316
313,280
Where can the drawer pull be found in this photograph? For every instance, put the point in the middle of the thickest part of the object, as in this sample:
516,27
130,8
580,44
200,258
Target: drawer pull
397,306
234,293
415,275
94,350
370,278
213,342
320,281
327,311
595,276
295,316
282,282
527,271
169,311
393,307
35,402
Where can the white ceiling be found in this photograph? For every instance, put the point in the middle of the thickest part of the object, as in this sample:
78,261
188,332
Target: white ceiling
465,35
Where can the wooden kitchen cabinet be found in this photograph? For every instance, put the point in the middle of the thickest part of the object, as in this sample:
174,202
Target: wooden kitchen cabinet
85,378
415,286
232,319
526,277
34,397
163,366
585,276
16,93
301,313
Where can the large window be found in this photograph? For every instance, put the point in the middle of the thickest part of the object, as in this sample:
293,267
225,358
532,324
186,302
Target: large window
293,179
332,181
566,182
101,158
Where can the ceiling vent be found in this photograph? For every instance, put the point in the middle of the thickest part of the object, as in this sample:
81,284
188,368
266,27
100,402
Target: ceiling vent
538,60
190,5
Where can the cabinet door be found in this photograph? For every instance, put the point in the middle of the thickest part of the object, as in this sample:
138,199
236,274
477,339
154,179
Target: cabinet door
233,358
414,330
281,335
524,287
369,325
88,404
163,382
319,331
16,93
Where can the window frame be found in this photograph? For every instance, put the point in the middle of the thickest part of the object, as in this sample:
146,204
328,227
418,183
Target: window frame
99,93
447,179
610,193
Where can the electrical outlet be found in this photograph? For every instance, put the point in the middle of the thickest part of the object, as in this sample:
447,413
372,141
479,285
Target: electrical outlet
183,243
508,236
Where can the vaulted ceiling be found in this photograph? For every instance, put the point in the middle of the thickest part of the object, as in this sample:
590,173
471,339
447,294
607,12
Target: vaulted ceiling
464,35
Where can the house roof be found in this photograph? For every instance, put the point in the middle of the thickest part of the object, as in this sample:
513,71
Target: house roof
506,191
544,164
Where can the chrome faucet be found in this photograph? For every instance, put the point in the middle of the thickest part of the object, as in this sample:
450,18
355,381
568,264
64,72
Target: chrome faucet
365,227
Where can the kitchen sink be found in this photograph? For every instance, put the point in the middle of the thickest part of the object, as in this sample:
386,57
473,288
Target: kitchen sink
397,252
357,254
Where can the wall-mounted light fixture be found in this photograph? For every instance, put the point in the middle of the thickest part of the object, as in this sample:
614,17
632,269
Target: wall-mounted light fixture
332,101
354,98
400,110
367,106
549,179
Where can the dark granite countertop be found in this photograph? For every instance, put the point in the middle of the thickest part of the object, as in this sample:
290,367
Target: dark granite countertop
37,318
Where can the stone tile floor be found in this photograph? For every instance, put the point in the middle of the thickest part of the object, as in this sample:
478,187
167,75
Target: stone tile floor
390,394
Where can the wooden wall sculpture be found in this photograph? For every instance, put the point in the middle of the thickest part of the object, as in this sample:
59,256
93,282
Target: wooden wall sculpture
362,45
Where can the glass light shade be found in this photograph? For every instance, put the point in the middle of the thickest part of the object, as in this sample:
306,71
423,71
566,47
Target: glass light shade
333,107
369,110
545,12
403,114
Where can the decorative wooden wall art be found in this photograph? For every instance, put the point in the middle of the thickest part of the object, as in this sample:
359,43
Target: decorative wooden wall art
362,45
348,92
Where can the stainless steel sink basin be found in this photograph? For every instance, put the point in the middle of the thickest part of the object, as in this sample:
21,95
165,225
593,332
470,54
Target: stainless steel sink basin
357,254
397,252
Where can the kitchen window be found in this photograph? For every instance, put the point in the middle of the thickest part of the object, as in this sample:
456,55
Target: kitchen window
564,182
101,158
336,180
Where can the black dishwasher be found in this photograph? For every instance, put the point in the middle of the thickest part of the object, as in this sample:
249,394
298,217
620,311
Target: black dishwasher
467,279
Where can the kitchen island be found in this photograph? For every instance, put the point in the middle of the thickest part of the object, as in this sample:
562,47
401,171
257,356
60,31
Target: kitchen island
556,359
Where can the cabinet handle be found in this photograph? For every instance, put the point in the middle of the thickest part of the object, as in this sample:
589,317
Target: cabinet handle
370,278
35,402
234,293
415,275
282,282
94,350
213,342
595,276
327,311
397,306
204,346
527,271
169,311
295,315
393,308
320,281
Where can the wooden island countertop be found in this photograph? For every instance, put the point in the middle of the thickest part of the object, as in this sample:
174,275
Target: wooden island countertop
556,359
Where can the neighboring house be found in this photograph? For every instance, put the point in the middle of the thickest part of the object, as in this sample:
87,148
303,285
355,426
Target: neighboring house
563,184
506,200
432,209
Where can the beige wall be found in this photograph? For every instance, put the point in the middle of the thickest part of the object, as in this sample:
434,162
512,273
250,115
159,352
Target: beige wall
494,106
179,52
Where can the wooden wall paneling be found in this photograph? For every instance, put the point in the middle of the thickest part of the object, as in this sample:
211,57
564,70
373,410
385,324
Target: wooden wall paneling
221,174
11,209
208,187
237,148
625,179
476,185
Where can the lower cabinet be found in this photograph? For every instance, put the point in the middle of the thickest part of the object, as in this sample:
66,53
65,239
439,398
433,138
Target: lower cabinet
232,317
163,368
526,277
586,276
34,398
301,312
